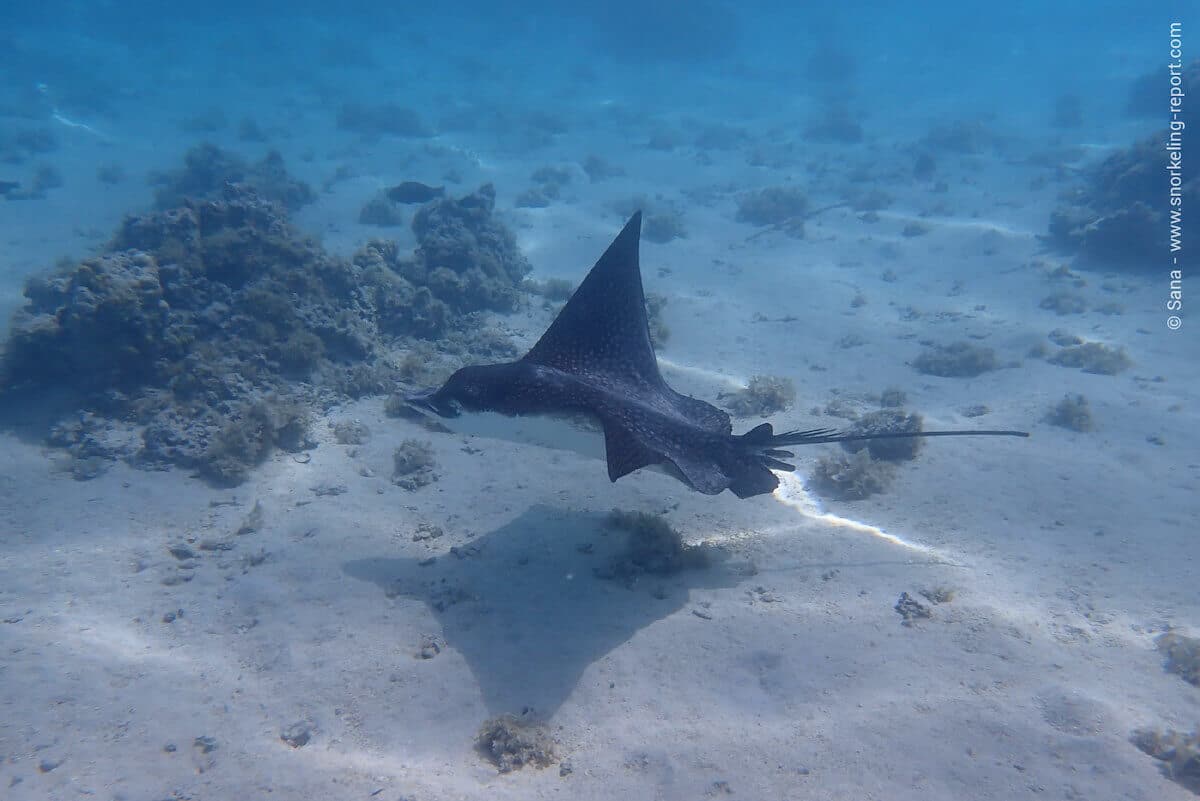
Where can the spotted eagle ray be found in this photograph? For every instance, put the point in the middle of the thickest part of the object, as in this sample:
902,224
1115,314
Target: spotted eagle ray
596,361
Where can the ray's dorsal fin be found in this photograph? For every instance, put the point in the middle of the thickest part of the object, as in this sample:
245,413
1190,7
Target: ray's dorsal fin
603,328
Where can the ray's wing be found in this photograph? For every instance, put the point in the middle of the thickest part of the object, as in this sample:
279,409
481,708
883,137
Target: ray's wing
602,332
702,413
701,473
602,336
625,451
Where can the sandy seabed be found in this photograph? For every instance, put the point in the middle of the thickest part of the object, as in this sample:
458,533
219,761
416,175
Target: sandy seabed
158,636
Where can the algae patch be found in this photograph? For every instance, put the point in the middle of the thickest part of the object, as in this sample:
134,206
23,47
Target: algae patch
851,477
888,421
412,464
956,360
653,547
511,743
1180,751
1072,412
1183,655
763,395
1093,357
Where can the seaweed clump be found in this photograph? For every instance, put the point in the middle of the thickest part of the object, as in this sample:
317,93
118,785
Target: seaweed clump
19,146
1063,338
598,169
381,212
45,177
663,226
1183,655
548,184
1072,412
774,205
1092,357
662,218
552,289
762,396
893,398
659,332
1179,750
511,743
653,547
1063,303
887,421
851,477
351,432
412,464
957,360
250,435
910,609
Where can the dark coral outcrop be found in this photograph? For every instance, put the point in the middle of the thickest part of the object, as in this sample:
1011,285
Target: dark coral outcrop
1118,217
213,327
465,256
207,169
466,261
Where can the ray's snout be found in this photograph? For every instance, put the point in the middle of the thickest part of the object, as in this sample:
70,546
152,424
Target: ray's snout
433,400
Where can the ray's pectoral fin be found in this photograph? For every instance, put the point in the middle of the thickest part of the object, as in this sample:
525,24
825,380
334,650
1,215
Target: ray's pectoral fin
701,474
755,479
753,474
625,452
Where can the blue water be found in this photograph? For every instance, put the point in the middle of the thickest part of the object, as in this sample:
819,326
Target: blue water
123,62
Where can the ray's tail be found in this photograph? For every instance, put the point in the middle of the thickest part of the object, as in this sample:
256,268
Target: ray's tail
764,442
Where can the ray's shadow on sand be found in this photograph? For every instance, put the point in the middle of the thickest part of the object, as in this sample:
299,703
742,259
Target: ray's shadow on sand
532,604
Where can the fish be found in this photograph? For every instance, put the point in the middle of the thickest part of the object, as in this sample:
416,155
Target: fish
414,192
8,187
596,361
